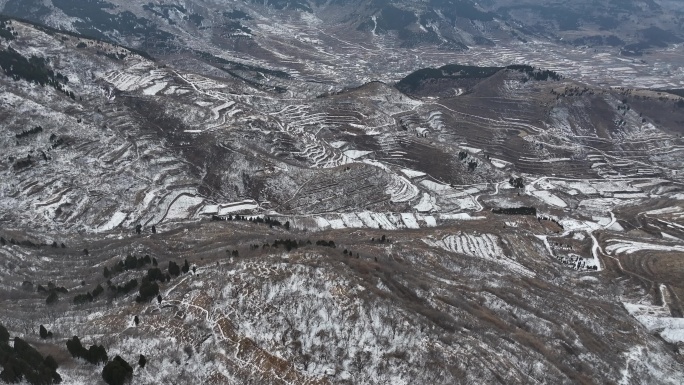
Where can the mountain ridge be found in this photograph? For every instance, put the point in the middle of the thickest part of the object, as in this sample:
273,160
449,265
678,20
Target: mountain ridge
497,224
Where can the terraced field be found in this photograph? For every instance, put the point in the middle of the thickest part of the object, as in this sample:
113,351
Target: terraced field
502,229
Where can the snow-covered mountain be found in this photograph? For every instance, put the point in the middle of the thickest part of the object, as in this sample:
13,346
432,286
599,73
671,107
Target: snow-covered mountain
350,42
489,221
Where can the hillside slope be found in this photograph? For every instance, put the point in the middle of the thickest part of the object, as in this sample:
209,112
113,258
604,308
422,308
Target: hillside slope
464,224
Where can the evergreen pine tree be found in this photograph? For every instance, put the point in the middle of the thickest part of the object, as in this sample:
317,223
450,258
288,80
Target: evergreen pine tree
117,372
43,332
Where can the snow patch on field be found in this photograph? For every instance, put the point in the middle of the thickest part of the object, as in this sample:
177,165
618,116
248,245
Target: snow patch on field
550,198
367,219
498,163
471,150
427,203
246,205
615,227
623,246
136,77
430,221
229,208
615,186
153,90
603,221
413,173
336,223
459,217
410,221
666,210
216,111
650,362
434,186
382,220
599,205
364,219
114,221
570,224
356,154
484,246
181,208
351,220
657,319
401,189
669,237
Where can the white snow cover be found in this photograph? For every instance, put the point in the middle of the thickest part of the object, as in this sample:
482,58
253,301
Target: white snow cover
180,209
624,246
427,203
570,224
658,319
412,173
550,198
434,186
114,221
459,217
355,154
246,205
666,210
498,163
153,90
430,221
401,189
410,221
484,246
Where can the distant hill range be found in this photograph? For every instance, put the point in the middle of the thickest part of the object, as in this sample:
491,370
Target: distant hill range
256,30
